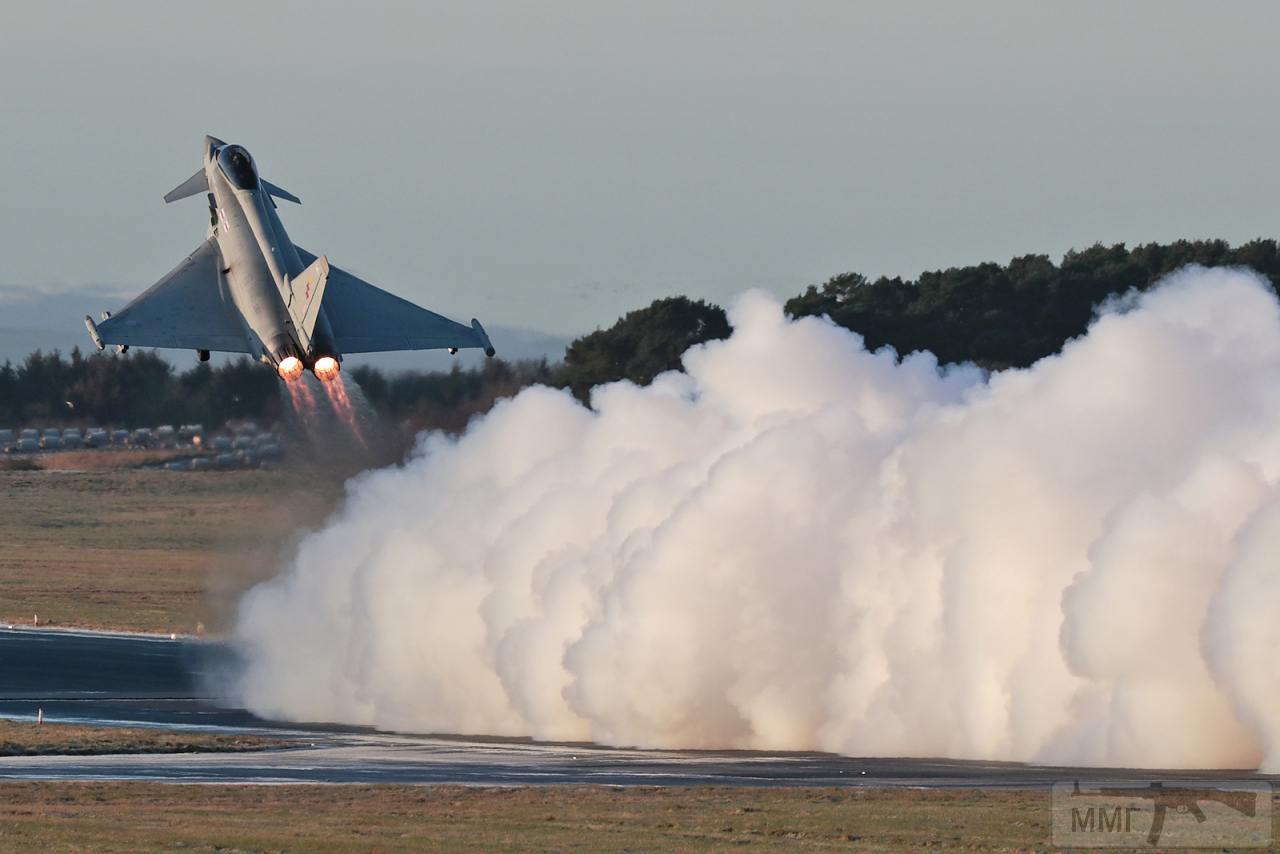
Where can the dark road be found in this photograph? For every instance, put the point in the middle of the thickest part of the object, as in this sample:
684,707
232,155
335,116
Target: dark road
132,680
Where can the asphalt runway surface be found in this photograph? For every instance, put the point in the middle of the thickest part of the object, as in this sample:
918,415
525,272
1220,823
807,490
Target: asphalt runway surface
130,680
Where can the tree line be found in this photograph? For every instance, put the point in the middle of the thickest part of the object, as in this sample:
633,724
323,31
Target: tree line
996,315
135,389
1002,315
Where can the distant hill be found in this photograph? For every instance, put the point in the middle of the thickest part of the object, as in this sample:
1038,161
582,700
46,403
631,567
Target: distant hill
31,320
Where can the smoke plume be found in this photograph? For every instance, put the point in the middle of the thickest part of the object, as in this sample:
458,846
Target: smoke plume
800,544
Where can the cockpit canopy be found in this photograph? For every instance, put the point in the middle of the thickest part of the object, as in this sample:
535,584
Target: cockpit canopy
238,166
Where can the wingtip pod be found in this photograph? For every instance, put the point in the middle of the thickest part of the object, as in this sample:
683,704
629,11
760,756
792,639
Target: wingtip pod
93,332
483,336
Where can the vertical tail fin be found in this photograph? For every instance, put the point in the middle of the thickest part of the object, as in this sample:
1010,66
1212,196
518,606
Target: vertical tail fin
305,295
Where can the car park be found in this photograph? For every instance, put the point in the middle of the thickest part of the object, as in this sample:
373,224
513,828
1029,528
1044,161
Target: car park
244,446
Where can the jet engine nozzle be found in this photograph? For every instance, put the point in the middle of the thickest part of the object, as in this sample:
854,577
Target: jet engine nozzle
290,368
327,368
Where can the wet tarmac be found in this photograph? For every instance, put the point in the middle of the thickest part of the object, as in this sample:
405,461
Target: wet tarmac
150,681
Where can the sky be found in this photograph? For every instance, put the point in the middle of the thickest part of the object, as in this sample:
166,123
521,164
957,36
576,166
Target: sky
552,165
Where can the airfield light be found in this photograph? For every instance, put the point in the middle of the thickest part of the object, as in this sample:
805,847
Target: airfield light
290,368
327,368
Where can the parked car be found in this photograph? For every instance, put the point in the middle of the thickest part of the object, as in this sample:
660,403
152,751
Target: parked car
271,451
193,433
7,441
141,438
119,437
166,436
71,438
221,444
96,437
51,439
27,445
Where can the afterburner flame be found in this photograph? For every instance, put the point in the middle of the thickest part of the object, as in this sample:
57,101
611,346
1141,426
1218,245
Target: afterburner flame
327,368
290,368
336,391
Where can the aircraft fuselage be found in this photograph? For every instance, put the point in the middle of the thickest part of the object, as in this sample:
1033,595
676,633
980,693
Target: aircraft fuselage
258,258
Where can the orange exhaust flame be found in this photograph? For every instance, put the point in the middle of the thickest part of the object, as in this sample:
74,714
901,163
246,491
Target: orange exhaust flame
310,409
306,407
336,390
290,368
301,398
327,368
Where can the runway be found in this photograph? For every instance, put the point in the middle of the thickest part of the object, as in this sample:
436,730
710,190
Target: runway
146,681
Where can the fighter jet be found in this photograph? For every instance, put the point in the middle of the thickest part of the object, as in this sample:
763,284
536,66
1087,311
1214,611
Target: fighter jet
249,289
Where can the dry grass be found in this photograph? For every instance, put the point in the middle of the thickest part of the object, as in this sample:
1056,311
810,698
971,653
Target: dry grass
149,816
29,739
146,549
115,459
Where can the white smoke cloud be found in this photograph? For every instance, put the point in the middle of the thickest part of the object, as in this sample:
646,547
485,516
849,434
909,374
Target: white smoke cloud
798,544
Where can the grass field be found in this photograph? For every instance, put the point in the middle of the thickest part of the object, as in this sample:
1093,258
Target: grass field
147,816
145,549
22,738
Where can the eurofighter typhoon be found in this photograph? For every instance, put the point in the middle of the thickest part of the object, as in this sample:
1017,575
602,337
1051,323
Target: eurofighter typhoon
249,289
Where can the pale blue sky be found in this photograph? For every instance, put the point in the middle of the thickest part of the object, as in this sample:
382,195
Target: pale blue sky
554,164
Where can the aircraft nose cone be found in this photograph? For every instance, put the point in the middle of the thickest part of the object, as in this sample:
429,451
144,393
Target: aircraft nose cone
210,143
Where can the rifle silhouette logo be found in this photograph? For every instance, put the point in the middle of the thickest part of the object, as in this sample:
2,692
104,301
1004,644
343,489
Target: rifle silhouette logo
1181,799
